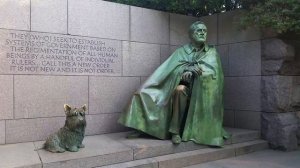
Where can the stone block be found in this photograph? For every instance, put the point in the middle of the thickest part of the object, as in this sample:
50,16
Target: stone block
6,97
56,54
111,94
24,130
223,52
140,59
243,135
179,160
143,79
49,16
44,96
271,67
274,49
15,14
278,57
248,119
165,52
179,27
280,130
150,26
103,123
19,155
276,93
244,59
295,99
243,93
211,23
228,119
2,132
229,32
98,19
249,147
99,151
146,147
143,163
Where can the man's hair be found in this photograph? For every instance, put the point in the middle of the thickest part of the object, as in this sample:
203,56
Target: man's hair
193,26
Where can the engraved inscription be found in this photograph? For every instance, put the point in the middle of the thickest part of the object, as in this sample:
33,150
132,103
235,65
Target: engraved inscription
44,53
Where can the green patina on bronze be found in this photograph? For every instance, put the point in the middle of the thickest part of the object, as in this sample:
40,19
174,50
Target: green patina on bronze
70,136
154,107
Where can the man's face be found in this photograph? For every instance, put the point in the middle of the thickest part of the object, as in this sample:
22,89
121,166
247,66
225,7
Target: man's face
199,34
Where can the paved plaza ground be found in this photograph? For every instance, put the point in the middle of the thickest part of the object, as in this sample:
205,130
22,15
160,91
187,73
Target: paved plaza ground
261,159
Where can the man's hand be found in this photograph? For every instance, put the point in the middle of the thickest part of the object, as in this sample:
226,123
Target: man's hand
197,71
187,76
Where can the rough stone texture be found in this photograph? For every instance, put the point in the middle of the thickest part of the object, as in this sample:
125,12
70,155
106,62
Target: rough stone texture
295,100
228,119
228,31
148,25
6,97
98,151
111,94
292,66
19,155
15,14
223,52
103,123
243,93
274,53
280,130
165,52
49,16
271,67
275,48
244,59
2,132
44,96
179,26
140,59
24,130
247,119
280,93
99,19
298,131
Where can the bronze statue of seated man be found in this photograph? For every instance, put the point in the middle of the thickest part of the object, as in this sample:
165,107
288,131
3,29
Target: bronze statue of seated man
183,98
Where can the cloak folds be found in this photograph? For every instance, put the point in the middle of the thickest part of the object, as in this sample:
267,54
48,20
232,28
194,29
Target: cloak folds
150,109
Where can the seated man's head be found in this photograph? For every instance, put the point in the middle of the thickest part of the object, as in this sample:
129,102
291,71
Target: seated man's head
198,33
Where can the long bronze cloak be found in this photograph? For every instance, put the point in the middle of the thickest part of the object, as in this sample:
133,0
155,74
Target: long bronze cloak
150,109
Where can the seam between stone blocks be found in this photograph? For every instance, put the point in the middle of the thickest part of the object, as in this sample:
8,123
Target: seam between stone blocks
37,151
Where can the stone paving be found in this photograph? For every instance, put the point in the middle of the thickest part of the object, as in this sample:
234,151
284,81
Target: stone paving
114,150
261,159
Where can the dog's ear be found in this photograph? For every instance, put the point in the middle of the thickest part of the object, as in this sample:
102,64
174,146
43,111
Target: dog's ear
67,108
84,107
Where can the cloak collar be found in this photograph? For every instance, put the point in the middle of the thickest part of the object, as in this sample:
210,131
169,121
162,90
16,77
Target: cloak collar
189,48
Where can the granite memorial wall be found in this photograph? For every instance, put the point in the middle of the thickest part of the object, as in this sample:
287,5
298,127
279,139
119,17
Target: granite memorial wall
98,53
